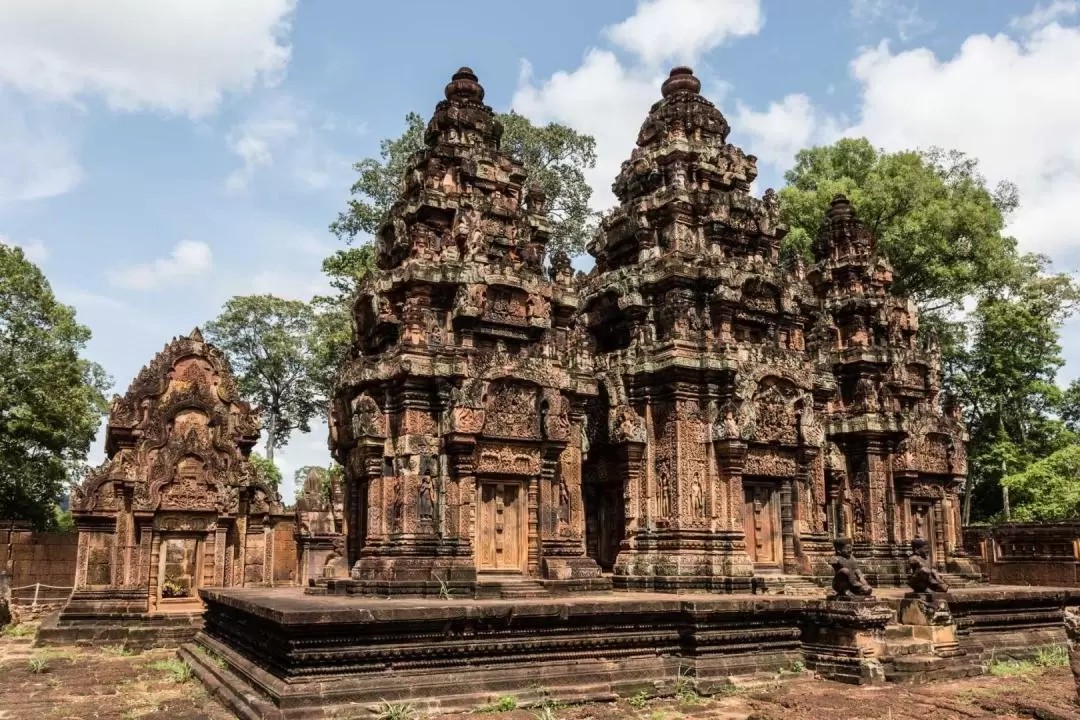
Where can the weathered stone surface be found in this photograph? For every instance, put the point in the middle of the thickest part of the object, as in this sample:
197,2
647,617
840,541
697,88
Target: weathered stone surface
176,506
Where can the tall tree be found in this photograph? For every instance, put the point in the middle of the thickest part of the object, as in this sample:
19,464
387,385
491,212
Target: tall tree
269,342
51,398
1005,374
935,218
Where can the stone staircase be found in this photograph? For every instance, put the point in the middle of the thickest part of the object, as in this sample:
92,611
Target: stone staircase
914,660
510,588
958,580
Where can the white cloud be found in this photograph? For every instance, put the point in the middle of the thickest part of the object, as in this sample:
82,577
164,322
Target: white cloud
684,30
35,250
902,15
1045,14
295,139
781,130
608,99
180,56
1001,99
189,259
36,159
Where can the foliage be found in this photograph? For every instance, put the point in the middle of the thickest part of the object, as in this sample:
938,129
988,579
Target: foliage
1005,375
51,398
266,470
37,665
934,216
1046,657
178,670
63,521
269,342
20,630
396,711
1047,490
504,703
638,700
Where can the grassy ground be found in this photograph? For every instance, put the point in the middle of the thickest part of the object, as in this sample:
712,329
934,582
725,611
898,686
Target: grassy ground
112,683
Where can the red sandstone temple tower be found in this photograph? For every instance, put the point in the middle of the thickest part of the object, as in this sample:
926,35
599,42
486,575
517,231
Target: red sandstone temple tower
751,411
459,418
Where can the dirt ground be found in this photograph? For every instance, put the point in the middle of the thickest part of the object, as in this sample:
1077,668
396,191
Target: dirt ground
109,684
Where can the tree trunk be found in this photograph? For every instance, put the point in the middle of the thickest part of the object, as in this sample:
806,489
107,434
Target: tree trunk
271,436
1005,495
967,500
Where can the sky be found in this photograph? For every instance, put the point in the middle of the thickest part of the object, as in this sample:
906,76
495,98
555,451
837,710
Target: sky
160,156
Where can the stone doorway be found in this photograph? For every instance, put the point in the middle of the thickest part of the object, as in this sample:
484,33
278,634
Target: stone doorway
178,570
500,527
761,523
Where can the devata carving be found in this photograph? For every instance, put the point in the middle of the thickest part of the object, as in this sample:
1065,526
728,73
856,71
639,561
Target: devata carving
743,413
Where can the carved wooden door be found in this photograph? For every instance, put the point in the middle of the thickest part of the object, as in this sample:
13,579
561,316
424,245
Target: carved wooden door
761,522
500,527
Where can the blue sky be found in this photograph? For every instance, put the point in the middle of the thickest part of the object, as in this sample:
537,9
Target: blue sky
158,156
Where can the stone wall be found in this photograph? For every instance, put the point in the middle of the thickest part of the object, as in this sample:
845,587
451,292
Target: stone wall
1027,553
38,557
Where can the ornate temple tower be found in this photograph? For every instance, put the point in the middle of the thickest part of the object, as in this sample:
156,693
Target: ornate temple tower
177,506
896,460
459,417
711,400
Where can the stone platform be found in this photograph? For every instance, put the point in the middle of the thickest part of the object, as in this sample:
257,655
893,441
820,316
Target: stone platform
288,656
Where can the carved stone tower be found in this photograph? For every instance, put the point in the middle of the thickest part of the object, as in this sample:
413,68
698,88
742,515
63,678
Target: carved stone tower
710,398
458,419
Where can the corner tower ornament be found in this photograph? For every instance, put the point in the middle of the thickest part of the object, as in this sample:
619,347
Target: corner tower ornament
176,506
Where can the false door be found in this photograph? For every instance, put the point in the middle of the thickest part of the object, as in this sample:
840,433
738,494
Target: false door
923,527
501,527
761,522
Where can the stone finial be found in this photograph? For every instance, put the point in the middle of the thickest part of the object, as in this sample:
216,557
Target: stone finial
196,335
464,86
840,206
681,80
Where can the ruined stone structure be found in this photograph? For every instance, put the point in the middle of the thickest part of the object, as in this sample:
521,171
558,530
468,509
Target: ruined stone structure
320,530
177,506
693,415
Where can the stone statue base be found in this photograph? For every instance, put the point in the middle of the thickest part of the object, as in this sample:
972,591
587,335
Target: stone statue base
843,640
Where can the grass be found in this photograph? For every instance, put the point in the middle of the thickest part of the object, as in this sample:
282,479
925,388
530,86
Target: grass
396,711
684,689
178,670
37,665
1049,656
117,651
20,630
505,703
638,700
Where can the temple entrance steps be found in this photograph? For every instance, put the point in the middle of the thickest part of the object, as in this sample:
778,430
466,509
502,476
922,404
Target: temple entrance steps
910,659
958,580
777,584
509,587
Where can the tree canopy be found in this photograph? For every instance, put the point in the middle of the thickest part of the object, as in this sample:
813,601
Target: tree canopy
51,398
266,470
269,342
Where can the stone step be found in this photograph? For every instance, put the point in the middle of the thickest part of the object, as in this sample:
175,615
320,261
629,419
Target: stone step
917,669
523,589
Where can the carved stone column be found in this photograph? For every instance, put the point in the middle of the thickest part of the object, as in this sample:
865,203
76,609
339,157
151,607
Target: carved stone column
787,526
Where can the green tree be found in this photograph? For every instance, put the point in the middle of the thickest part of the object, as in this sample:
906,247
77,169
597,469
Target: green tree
935,218
1047,490
555,158
270,344
266,470
51,398
1005,374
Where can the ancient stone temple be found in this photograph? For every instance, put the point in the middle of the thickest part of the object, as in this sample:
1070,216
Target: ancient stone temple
176,506
748,411
320,528
587,477
459,418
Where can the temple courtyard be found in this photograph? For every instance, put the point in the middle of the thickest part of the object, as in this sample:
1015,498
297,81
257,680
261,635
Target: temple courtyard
108,683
